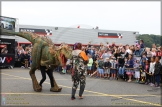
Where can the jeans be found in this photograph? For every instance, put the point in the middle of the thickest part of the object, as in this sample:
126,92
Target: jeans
121,70
157,79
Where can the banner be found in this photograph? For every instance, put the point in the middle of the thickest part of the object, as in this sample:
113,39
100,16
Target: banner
7,59
45,32
7,23
7,46
109,35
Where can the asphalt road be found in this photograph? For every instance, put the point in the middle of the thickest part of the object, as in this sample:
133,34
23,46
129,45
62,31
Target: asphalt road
17,90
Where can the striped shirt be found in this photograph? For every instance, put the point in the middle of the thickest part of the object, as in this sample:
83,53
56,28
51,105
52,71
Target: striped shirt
113,65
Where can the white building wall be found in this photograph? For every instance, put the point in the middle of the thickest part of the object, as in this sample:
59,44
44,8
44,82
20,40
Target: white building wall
72,35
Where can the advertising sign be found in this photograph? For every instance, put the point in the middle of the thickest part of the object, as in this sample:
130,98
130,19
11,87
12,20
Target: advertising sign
109,35
7,49
44,32
7,23
7,59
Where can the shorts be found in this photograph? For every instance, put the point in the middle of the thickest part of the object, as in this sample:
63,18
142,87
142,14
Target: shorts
68,67
113,71
129,72
101,71
137,74
89,67
26,61
107,71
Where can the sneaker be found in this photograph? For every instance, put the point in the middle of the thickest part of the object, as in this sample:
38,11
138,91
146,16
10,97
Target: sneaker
152,85
22,67
146,83
157,86
137,81
73,98
80,97
129,81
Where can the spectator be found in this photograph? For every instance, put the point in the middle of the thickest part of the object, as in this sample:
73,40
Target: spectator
149,53
107,44
105,55
96,70
113,68
143,61
128,51
117,54
100,67
153,52
68,66
129,66
151,72
107,66
113,44
142,44
153,46
89,65
26,58
121,67
137,71
120,47
146,70
137,51
157,72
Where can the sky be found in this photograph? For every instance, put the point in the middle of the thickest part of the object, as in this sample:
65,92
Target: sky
144,17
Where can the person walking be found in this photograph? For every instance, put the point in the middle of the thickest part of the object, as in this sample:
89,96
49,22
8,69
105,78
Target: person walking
79,62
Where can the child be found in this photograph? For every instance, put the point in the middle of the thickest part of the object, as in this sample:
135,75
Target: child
129,67
157,72
100,67
89,65
68,66
151,71
107,66
113,68
143,61
146,70
137,71
149,54
96,71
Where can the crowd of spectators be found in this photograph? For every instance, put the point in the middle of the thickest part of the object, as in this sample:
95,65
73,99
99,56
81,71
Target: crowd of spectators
111,61
23,55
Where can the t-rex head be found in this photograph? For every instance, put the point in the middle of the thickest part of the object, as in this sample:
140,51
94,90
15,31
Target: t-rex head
64,52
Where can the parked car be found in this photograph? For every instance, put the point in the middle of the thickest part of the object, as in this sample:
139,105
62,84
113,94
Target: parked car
6,25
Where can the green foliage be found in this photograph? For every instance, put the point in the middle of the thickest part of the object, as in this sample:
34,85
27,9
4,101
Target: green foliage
150,39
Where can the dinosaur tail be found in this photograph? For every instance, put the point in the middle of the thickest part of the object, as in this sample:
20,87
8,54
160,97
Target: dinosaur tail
27,36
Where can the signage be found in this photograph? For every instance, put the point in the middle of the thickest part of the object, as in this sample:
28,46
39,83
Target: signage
7,23
45,32
109,35
7,59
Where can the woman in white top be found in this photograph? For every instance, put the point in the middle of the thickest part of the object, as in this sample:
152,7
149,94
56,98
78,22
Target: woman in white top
151,71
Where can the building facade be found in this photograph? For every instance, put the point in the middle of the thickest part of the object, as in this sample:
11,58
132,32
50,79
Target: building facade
72,35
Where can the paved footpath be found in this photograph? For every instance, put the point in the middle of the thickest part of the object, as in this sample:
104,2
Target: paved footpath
17,90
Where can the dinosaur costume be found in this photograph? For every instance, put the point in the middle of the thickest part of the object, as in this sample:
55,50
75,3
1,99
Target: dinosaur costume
43,53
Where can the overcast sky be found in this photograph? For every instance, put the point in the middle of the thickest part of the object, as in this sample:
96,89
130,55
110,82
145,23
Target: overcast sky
144,17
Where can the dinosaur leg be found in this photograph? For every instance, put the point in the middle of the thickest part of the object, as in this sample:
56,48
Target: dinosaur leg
56,88
36,56
36,86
